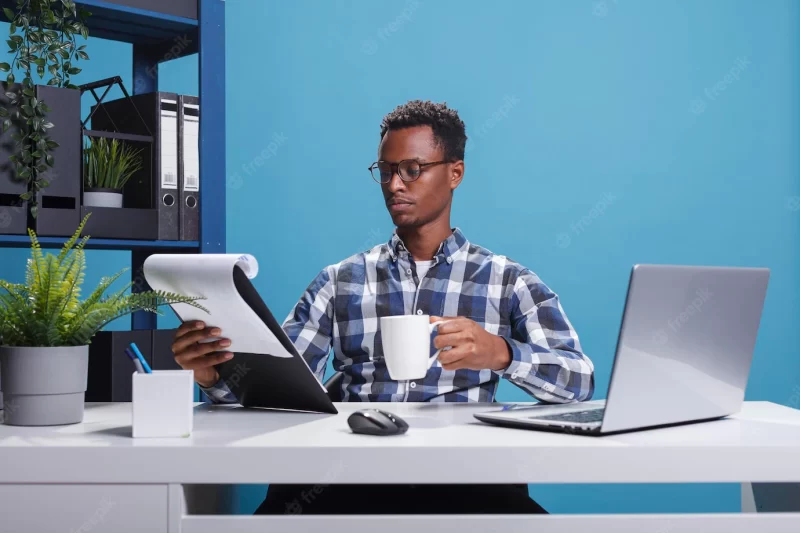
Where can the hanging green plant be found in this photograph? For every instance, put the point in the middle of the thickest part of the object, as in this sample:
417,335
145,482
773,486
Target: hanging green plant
42,36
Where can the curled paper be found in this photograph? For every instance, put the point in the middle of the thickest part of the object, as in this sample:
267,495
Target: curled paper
210,276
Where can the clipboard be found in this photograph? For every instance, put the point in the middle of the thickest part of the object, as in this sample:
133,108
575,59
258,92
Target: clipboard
266,370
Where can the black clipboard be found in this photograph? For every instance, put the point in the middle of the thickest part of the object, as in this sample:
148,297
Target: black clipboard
264,381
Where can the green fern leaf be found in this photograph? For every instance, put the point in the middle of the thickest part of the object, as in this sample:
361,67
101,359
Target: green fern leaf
47,310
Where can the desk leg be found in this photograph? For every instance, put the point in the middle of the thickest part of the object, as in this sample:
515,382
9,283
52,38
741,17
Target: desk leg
770,497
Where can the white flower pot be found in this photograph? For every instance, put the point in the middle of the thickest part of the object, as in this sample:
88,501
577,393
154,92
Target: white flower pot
102,198
43,386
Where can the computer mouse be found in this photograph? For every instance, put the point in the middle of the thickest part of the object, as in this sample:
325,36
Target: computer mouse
376,422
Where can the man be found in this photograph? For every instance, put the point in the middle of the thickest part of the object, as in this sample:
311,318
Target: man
505,321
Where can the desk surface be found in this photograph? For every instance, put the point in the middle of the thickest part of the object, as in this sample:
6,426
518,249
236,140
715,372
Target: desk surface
445,444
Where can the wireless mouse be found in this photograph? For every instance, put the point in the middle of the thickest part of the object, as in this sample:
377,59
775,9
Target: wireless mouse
376,422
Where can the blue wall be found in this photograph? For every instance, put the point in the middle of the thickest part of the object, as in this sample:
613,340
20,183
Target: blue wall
598,99
602,134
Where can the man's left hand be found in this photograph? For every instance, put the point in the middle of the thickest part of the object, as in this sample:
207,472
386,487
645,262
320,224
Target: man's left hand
472,346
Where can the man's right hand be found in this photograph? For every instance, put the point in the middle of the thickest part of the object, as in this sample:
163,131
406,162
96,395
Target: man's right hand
201,357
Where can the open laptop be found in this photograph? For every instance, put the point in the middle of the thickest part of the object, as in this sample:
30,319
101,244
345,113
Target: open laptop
683,354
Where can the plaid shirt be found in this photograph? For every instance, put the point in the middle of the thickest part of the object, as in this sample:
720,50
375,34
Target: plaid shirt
341,308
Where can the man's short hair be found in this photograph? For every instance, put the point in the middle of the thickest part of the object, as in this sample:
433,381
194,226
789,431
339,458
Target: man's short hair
448,128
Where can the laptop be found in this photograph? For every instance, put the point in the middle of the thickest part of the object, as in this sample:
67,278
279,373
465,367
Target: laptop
683,354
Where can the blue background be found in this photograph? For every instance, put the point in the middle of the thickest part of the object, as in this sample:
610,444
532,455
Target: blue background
617,103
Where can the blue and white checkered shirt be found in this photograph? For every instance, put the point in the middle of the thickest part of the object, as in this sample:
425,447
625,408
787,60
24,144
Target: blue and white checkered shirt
341,308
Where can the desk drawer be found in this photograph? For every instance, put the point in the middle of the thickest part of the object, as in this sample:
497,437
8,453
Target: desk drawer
83,508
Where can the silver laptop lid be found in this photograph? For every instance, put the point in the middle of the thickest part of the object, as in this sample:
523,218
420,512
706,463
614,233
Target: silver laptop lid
685,345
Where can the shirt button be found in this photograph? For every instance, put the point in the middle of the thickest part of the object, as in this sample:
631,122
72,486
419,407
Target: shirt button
412,384
419,311
408,271
449,260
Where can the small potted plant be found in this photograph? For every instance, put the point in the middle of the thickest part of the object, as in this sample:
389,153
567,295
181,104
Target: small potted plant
45,331
107,167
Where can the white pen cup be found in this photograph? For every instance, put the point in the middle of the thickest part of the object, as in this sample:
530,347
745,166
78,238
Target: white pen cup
406,343
162,403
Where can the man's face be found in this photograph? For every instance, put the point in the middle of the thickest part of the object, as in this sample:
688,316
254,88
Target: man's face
423,200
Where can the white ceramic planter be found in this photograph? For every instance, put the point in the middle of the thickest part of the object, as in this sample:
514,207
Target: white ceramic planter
102,198
43,386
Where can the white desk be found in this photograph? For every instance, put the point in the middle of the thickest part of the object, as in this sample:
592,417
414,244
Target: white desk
94,477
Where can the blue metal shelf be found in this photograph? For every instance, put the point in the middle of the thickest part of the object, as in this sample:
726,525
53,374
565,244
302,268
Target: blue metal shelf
23,241
128,24
154,37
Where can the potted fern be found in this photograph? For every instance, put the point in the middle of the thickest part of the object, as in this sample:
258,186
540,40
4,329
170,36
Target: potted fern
107,167
45,330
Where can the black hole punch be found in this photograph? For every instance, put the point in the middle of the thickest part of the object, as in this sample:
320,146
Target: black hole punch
168,200
191,202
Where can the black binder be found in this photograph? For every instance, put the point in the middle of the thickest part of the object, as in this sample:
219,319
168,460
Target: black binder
189,166
158,188
109,377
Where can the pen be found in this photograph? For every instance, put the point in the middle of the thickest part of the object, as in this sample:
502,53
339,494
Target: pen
136,362
141,358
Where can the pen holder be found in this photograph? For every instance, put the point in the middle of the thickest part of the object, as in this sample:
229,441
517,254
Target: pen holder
162,403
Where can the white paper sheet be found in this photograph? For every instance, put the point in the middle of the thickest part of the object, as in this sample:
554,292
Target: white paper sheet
211,276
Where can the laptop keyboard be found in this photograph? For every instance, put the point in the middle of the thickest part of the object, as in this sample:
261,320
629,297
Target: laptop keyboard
591,415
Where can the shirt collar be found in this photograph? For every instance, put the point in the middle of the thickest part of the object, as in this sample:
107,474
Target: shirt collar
447,249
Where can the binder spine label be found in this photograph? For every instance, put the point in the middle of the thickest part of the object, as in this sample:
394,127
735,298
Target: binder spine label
169,146
191,148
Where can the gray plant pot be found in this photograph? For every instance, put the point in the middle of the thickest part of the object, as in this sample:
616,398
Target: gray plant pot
100,197
43,386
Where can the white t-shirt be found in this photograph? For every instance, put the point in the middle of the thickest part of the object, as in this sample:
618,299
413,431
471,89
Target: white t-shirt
423,267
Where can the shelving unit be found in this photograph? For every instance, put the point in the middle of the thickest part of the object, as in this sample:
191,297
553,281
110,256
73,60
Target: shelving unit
154,36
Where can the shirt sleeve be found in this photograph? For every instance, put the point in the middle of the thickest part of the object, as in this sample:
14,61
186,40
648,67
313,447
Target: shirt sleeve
220,393
310,328
310,324
547,360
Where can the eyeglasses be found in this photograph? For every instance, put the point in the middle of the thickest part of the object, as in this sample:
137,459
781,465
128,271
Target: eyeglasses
408,169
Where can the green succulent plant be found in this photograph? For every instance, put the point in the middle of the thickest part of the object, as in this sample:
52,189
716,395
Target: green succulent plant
47,311
109,164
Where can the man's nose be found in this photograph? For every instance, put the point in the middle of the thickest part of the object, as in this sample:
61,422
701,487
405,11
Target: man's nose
396,183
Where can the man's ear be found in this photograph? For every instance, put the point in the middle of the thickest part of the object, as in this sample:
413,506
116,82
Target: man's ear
456,174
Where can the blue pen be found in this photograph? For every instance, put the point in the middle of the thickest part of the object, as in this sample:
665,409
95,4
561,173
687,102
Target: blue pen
136,363
141,358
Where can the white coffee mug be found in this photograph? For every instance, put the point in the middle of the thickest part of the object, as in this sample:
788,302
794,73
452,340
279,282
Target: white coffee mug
406,345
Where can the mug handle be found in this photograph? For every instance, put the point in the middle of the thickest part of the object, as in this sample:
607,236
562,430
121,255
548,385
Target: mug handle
432,327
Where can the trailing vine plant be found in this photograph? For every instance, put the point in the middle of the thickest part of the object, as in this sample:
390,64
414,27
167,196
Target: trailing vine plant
42,37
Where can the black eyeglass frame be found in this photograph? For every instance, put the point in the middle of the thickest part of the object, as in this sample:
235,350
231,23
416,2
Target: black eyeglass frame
395,168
